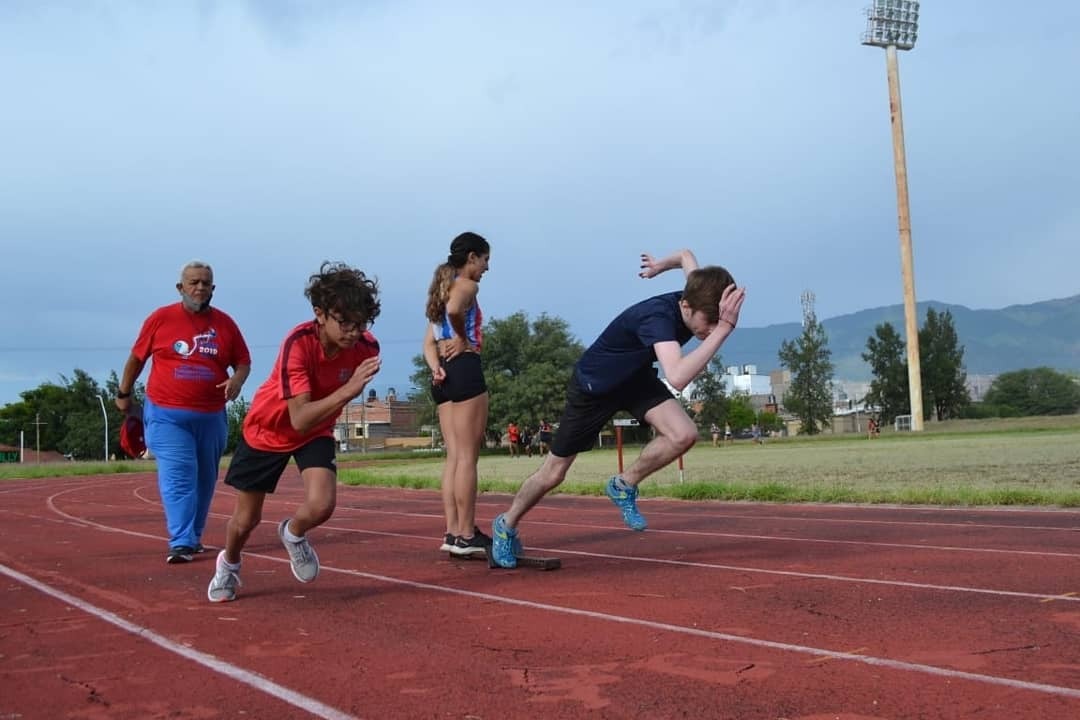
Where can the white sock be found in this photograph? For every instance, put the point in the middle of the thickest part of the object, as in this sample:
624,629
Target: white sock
234,567
287,534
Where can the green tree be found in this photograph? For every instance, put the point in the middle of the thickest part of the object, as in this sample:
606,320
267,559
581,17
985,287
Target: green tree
527,366
941,357
66,417
1038,391
740,413
885,352
235,414
708,394
809,396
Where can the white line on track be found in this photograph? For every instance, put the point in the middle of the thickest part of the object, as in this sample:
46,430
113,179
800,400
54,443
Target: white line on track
1055,690
253,680
1064,597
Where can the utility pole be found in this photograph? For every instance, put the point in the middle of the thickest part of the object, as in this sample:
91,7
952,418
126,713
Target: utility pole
37,430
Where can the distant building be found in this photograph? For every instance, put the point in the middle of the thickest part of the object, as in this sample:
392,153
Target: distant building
374,424
745,380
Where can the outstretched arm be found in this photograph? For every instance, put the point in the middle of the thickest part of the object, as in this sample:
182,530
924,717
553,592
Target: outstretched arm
651,267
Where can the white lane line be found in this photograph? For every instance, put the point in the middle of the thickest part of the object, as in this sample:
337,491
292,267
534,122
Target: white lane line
746,536
253,680
889,663
756,642
1066,597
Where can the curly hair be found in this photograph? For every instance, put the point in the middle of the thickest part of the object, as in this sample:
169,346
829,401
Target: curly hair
346,290
439,290
704,288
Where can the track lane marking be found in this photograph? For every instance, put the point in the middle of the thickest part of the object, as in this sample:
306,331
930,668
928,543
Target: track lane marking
251,679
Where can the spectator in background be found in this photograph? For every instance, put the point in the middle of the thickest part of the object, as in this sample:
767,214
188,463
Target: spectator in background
545,437
192,347
513,437
714,429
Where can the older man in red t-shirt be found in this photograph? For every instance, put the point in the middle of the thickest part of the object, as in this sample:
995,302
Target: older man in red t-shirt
191,346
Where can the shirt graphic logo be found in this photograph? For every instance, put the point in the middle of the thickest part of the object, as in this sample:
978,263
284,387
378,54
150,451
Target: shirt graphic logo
203,343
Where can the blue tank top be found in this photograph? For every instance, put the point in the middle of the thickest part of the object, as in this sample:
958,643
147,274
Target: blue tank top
474,321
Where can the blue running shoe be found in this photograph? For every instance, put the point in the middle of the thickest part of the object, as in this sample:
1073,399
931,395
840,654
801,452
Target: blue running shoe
625,498
505,545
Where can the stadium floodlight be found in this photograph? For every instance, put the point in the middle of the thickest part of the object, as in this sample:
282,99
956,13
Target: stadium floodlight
892,22
894,25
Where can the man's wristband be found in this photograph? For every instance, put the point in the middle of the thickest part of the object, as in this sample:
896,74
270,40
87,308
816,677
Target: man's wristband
121,395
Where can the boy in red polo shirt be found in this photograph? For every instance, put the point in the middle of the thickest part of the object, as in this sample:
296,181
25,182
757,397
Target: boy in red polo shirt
323,364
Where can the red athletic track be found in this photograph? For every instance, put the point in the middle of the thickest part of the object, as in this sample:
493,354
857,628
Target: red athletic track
720,610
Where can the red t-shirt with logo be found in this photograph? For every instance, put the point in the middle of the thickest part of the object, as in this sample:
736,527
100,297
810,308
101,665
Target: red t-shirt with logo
301,367
190,355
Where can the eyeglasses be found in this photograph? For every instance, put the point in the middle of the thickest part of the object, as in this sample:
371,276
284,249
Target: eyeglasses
346,326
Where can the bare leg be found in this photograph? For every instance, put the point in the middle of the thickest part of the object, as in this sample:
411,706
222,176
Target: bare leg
675,434
548,477
247,514
469,418
446,411
320,486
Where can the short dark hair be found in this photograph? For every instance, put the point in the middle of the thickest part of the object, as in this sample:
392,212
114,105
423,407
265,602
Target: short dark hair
704,288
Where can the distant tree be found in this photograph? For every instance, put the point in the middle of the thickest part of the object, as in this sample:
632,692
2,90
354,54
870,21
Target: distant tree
770,421
235,414
809,396
66,417
941,357
527,366
708,392
1038,391
885,352
740,413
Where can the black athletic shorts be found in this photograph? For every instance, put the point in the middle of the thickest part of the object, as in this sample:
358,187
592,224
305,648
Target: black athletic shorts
586,414
260,470
464,379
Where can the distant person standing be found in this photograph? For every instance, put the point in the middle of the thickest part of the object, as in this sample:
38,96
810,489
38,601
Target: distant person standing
545,437
452,351
513,436
192,347
323,364
714,429
727,434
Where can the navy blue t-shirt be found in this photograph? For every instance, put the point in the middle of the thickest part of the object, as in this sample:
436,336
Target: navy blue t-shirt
626,345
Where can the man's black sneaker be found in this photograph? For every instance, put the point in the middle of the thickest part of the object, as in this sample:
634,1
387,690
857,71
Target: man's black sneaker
181,554
447,543
199,548
470,546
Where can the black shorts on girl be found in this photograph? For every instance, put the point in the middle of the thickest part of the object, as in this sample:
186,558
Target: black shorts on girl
464,379
260,470
585,414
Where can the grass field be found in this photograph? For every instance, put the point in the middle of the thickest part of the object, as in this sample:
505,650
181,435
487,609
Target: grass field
1027,461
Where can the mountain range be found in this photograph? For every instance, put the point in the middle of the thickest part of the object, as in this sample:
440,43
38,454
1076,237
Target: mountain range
994,341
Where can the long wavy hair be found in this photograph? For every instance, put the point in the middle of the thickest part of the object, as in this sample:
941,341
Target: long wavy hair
439,291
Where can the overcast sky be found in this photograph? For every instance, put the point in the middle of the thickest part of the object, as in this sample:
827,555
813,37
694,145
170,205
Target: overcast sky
265,137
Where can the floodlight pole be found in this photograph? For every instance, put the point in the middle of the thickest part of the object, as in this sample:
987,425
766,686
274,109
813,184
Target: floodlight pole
880,16
911,319
106,416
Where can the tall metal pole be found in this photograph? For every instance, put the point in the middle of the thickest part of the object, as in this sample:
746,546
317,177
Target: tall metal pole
911,320
106,416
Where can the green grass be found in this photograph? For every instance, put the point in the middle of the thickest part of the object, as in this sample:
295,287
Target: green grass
1014,462
1023,462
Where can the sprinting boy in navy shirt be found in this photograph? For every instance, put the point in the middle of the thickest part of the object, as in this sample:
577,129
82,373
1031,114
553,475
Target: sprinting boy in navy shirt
616,373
